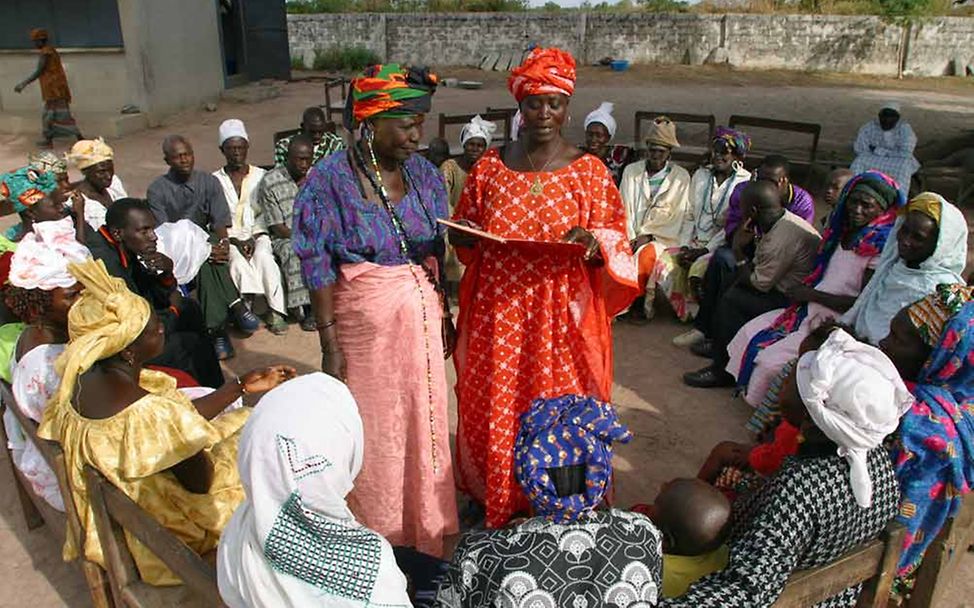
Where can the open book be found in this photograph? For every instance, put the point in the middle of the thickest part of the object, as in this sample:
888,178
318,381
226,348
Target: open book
540,247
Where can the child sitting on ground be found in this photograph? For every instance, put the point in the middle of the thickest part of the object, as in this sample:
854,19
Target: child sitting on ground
694,519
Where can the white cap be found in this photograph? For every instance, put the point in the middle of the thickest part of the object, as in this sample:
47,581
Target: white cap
232,127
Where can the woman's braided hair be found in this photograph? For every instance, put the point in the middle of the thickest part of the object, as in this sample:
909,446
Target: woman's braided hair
28,305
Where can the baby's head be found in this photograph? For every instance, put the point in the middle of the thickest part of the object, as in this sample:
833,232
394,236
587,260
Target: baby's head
693,516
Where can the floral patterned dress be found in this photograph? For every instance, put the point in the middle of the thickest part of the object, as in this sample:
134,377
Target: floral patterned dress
532,324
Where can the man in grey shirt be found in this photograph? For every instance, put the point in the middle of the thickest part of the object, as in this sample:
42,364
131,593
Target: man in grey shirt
184,193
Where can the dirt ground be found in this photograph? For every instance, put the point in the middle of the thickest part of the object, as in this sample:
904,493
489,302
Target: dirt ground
674,426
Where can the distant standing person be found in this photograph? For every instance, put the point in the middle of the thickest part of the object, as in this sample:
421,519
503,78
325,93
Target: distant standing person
886,144
56,120
314,125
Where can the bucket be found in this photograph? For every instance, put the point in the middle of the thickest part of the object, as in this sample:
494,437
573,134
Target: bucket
619,65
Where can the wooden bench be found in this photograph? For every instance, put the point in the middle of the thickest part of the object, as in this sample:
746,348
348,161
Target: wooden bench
690,156
37,512
789,126
500,117
873,564
115,514
942,558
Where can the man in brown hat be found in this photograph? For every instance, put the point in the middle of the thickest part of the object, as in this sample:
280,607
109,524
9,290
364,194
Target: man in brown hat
654,193
56,119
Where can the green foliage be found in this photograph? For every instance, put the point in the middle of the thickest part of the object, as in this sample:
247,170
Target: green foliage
663,6
344,59
297,63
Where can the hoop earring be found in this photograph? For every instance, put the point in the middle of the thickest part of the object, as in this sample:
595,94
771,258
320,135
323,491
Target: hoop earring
737,165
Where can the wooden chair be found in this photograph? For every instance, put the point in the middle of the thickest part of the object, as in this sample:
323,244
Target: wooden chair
115,514
942,558
805,128
501,137
873,564
691,156
336,91
36,510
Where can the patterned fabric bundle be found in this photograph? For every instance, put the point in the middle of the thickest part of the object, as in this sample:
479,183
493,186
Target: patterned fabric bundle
931,314
294,541
738,141
389,91
868,242
88,152
543,72
42,256
45,160
562,432
27,186
105,319
934,457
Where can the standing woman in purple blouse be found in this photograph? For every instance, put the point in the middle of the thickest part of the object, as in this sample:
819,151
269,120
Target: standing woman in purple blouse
371,254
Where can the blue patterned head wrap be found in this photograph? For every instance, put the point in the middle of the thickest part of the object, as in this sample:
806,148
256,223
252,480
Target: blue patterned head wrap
562,432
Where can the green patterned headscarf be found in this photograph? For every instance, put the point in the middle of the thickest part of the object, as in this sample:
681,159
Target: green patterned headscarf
389,91
26,186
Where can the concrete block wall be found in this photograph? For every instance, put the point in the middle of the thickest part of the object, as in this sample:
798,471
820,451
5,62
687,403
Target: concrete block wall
652,38
814,42
463,39
862,44
934,43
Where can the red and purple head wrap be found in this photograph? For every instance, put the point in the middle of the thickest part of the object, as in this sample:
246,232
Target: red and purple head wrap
389,91
563,432
867,242
738,141
543,72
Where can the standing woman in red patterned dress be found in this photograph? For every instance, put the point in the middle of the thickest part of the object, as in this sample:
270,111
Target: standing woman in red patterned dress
534,324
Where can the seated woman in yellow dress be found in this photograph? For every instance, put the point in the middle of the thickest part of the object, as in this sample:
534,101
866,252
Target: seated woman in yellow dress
175,457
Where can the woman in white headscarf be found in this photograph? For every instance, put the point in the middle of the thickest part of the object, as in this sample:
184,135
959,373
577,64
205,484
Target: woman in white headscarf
928,247
836,493
475,138
886,144
294,541
40,293
600,130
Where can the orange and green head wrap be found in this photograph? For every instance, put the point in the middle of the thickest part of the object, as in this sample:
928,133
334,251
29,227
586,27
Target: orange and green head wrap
389,91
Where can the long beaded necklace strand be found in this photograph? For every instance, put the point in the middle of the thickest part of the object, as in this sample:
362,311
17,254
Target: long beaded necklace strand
380,189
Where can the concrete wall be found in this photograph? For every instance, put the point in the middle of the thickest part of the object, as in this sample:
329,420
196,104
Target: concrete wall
98,80
933,44
172,52
798,42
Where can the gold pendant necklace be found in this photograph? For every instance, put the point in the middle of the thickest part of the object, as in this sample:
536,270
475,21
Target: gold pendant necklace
537,188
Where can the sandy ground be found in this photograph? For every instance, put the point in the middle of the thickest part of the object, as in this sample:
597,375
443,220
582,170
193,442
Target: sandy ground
674,426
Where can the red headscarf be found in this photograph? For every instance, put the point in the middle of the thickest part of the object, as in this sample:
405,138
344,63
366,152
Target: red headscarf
544,72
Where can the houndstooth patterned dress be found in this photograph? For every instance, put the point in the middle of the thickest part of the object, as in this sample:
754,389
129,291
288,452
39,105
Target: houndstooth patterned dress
804,516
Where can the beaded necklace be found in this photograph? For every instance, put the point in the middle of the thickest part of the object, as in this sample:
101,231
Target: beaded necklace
407,251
